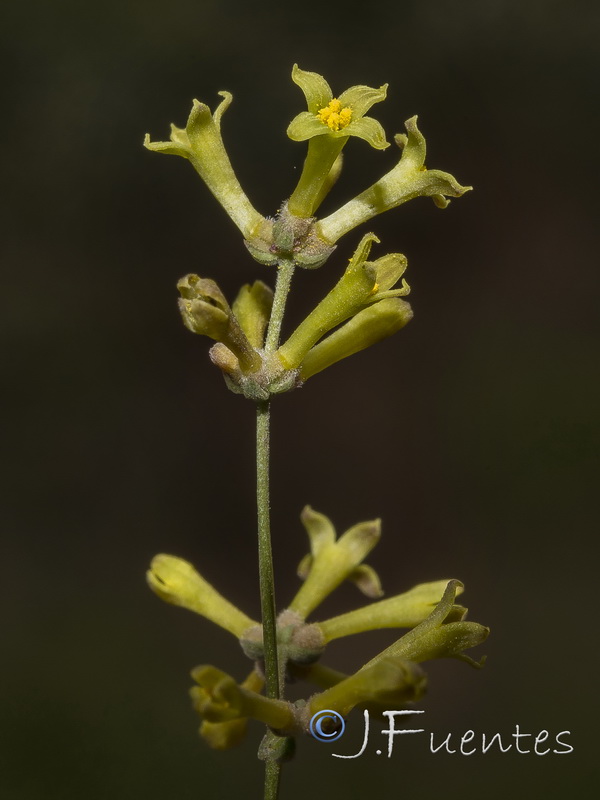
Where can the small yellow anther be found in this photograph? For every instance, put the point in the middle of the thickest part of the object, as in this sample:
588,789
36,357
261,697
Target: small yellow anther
334,116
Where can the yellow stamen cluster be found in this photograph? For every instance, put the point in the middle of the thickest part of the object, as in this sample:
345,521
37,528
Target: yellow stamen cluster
334,116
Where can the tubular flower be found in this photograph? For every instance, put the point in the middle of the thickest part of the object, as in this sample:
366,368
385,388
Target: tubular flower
332,561
364,284
440,635
177,582
405,610
228,734
409,178
205,310
390,681
328,124
201,142
218,698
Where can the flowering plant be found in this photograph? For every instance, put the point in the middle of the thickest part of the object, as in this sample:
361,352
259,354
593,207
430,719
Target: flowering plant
365,305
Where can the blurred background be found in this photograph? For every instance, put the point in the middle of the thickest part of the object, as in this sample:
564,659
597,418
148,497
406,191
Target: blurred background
472,433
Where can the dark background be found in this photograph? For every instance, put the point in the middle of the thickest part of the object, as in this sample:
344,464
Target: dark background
471,433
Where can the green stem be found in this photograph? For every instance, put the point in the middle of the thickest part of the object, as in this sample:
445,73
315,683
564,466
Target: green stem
265,558
265,555
285,272
272,775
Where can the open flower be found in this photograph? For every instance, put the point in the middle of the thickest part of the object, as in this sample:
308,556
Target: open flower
327,125
336,117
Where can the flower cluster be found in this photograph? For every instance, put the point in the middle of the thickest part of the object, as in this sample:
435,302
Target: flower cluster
393,678
363,307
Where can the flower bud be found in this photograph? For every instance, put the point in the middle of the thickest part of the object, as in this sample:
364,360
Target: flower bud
177,582
228,734
219,698
391,682
205,310
363,284
368,327
252,309
402,611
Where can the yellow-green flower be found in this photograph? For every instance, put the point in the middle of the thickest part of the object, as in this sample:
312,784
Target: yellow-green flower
327,125
391,681
228,734
332,561
176,581
205,310
201,142
440,635
218,698
372,325
408,179
336,117
363,284
405,610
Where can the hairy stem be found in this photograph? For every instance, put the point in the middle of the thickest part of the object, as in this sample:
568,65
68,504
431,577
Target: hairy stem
265,559
272,775
265,556
282,288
